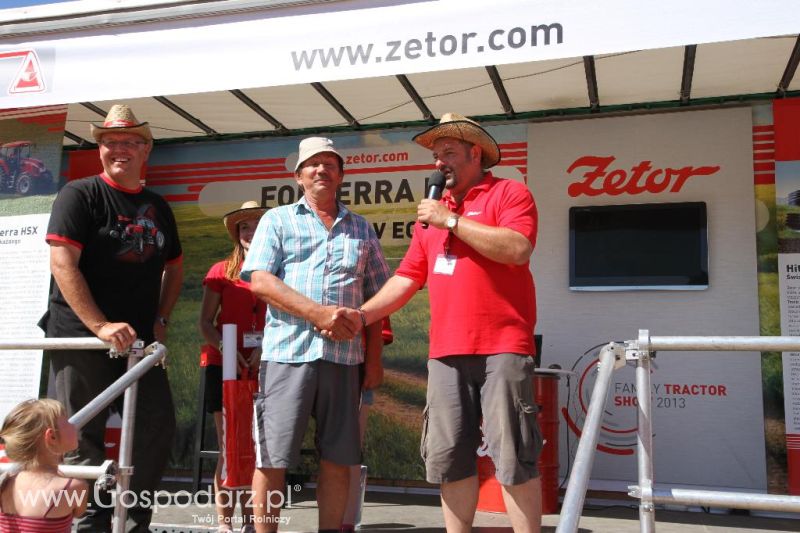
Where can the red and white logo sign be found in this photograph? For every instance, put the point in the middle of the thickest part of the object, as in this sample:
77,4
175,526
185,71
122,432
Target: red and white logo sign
29,78
599,179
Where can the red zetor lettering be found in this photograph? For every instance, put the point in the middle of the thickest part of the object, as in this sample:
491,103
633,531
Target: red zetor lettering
600,165
685,173
641,177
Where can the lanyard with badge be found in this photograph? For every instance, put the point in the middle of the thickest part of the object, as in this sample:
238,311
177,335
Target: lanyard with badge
253,338
445,262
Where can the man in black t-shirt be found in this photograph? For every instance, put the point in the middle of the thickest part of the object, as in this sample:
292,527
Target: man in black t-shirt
116,260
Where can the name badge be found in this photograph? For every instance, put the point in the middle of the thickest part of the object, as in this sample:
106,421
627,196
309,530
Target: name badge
252,340
445,264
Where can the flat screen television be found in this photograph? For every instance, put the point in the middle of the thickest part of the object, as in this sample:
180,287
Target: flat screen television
638,247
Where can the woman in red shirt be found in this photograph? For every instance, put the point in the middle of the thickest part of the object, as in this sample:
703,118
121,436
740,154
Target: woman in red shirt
227,300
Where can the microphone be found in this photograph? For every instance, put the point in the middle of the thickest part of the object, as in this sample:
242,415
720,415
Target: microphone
435,188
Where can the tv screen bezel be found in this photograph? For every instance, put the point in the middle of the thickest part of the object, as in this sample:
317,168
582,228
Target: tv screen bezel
639,283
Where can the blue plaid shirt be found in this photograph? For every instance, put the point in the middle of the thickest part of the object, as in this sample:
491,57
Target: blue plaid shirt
343,266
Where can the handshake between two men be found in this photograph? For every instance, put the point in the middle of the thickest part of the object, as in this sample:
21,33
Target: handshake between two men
340,323
343,324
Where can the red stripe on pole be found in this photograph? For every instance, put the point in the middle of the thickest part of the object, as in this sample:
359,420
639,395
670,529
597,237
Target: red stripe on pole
793,464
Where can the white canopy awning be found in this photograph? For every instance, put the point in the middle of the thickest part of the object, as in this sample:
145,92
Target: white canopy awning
234,66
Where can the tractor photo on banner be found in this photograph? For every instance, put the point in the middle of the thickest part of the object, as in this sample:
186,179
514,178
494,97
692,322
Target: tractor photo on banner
30,150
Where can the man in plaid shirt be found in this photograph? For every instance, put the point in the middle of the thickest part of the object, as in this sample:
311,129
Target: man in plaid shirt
306,261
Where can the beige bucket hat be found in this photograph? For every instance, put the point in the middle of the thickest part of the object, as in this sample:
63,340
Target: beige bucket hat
312,146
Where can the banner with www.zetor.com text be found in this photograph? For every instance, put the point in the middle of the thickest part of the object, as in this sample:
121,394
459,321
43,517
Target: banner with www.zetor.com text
167,56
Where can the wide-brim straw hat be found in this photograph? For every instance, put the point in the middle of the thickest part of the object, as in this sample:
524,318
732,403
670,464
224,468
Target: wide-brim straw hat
120,119
249,209
460,127
312,146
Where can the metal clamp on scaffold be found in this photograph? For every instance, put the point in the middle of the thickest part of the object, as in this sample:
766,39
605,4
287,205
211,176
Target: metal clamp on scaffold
619,351
138,349
125,471
639,348
108,479
155,347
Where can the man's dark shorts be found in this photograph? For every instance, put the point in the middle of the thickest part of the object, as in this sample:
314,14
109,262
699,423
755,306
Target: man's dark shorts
462,391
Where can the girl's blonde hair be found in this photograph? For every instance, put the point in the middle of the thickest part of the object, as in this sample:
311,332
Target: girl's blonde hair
233,265
24,428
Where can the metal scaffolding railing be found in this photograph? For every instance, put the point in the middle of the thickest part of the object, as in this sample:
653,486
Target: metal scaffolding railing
641,352
140,360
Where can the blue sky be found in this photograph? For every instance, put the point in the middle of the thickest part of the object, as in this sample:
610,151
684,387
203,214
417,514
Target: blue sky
7,4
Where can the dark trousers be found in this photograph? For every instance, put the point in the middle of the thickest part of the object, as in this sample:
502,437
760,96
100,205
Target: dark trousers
79,377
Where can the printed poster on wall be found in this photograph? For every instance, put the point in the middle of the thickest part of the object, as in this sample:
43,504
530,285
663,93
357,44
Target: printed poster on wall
707,406
25,261
30,159
787,200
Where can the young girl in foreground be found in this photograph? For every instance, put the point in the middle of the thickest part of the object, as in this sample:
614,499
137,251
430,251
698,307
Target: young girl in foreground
36,434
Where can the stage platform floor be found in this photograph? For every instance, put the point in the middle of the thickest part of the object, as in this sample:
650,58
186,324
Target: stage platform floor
394,512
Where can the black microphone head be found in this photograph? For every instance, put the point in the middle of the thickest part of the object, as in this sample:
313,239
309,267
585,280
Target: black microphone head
436,179
435,185
435,188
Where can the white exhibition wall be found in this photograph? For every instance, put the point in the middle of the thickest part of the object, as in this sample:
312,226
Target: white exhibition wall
703,436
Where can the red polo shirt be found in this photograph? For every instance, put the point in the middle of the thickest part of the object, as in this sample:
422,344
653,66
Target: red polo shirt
484,307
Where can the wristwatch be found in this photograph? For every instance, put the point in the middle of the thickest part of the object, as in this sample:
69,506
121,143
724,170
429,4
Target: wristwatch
161,320
452,222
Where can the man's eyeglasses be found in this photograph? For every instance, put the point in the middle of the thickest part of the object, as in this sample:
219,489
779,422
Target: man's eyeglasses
129,145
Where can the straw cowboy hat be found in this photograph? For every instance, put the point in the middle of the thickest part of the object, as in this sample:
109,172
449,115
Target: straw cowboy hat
249,209
312,146
460,127
120,119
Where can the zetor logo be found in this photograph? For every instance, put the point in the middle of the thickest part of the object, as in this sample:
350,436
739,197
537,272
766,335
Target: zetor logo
28,78
598,179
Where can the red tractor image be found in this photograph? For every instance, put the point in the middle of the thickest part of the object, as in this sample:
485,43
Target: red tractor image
20,173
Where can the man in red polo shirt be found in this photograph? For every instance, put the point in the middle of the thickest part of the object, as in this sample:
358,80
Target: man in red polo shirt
474,257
